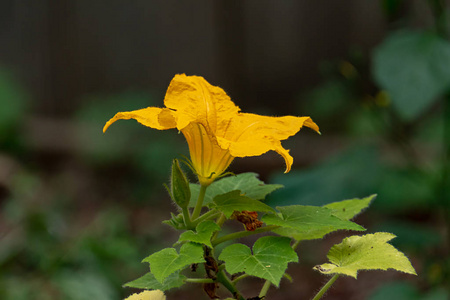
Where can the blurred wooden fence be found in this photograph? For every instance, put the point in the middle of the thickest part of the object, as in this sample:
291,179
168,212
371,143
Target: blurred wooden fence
261,51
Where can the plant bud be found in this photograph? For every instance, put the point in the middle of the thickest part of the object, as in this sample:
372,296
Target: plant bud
179,186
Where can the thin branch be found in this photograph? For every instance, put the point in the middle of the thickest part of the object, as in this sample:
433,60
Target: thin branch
241,234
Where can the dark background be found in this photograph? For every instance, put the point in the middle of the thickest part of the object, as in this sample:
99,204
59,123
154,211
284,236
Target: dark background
262,52
80,209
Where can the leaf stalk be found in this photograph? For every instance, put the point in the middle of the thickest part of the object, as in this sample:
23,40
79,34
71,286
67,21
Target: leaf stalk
199,204
264,289
199,280
241,234
187,218
226,282
325,288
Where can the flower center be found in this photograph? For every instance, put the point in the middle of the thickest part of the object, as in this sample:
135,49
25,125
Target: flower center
208,159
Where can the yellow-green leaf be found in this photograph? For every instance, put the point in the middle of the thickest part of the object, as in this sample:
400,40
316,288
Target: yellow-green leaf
367,252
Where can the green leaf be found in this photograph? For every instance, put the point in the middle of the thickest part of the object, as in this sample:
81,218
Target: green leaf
348,209
203,234
149,282
367,252
247,183
413,68
269,260
167,261
231,201
307,222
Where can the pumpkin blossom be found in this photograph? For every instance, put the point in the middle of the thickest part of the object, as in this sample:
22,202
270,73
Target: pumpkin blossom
148,295
214,127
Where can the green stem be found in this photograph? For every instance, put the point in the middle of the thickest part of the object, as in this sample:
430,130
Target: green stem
199,205
241,234
199,280
240,278
206,216
226,282
187,218
325,288
295,245
219,222
264,289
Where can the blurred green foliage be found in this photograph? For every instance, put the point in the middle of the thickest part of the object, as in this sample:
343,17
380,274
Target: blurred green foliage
394,106
424,74
54,242
349,175
406,291
14,103
147,150
127,145
46,255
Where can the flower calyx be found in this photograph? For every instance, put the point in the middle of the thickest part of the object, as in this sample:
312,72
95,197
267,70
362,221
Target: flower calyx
179,186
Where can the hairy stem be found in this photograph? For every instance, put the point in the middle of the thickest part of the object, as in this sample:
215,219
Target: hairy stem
187,218
295,245
264,289
206,216
325,288
241,234
226,282
199,205
199,280
240,278
219,222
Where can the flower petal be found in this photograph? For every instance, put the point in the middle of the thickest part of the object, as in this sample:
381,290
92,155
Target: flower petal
195,100
253,135
309,123
148,295
154,117
208,159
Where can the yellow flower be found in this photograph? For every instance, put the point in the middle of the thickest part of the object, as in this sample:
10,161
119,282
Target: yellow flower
148,295
215,129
